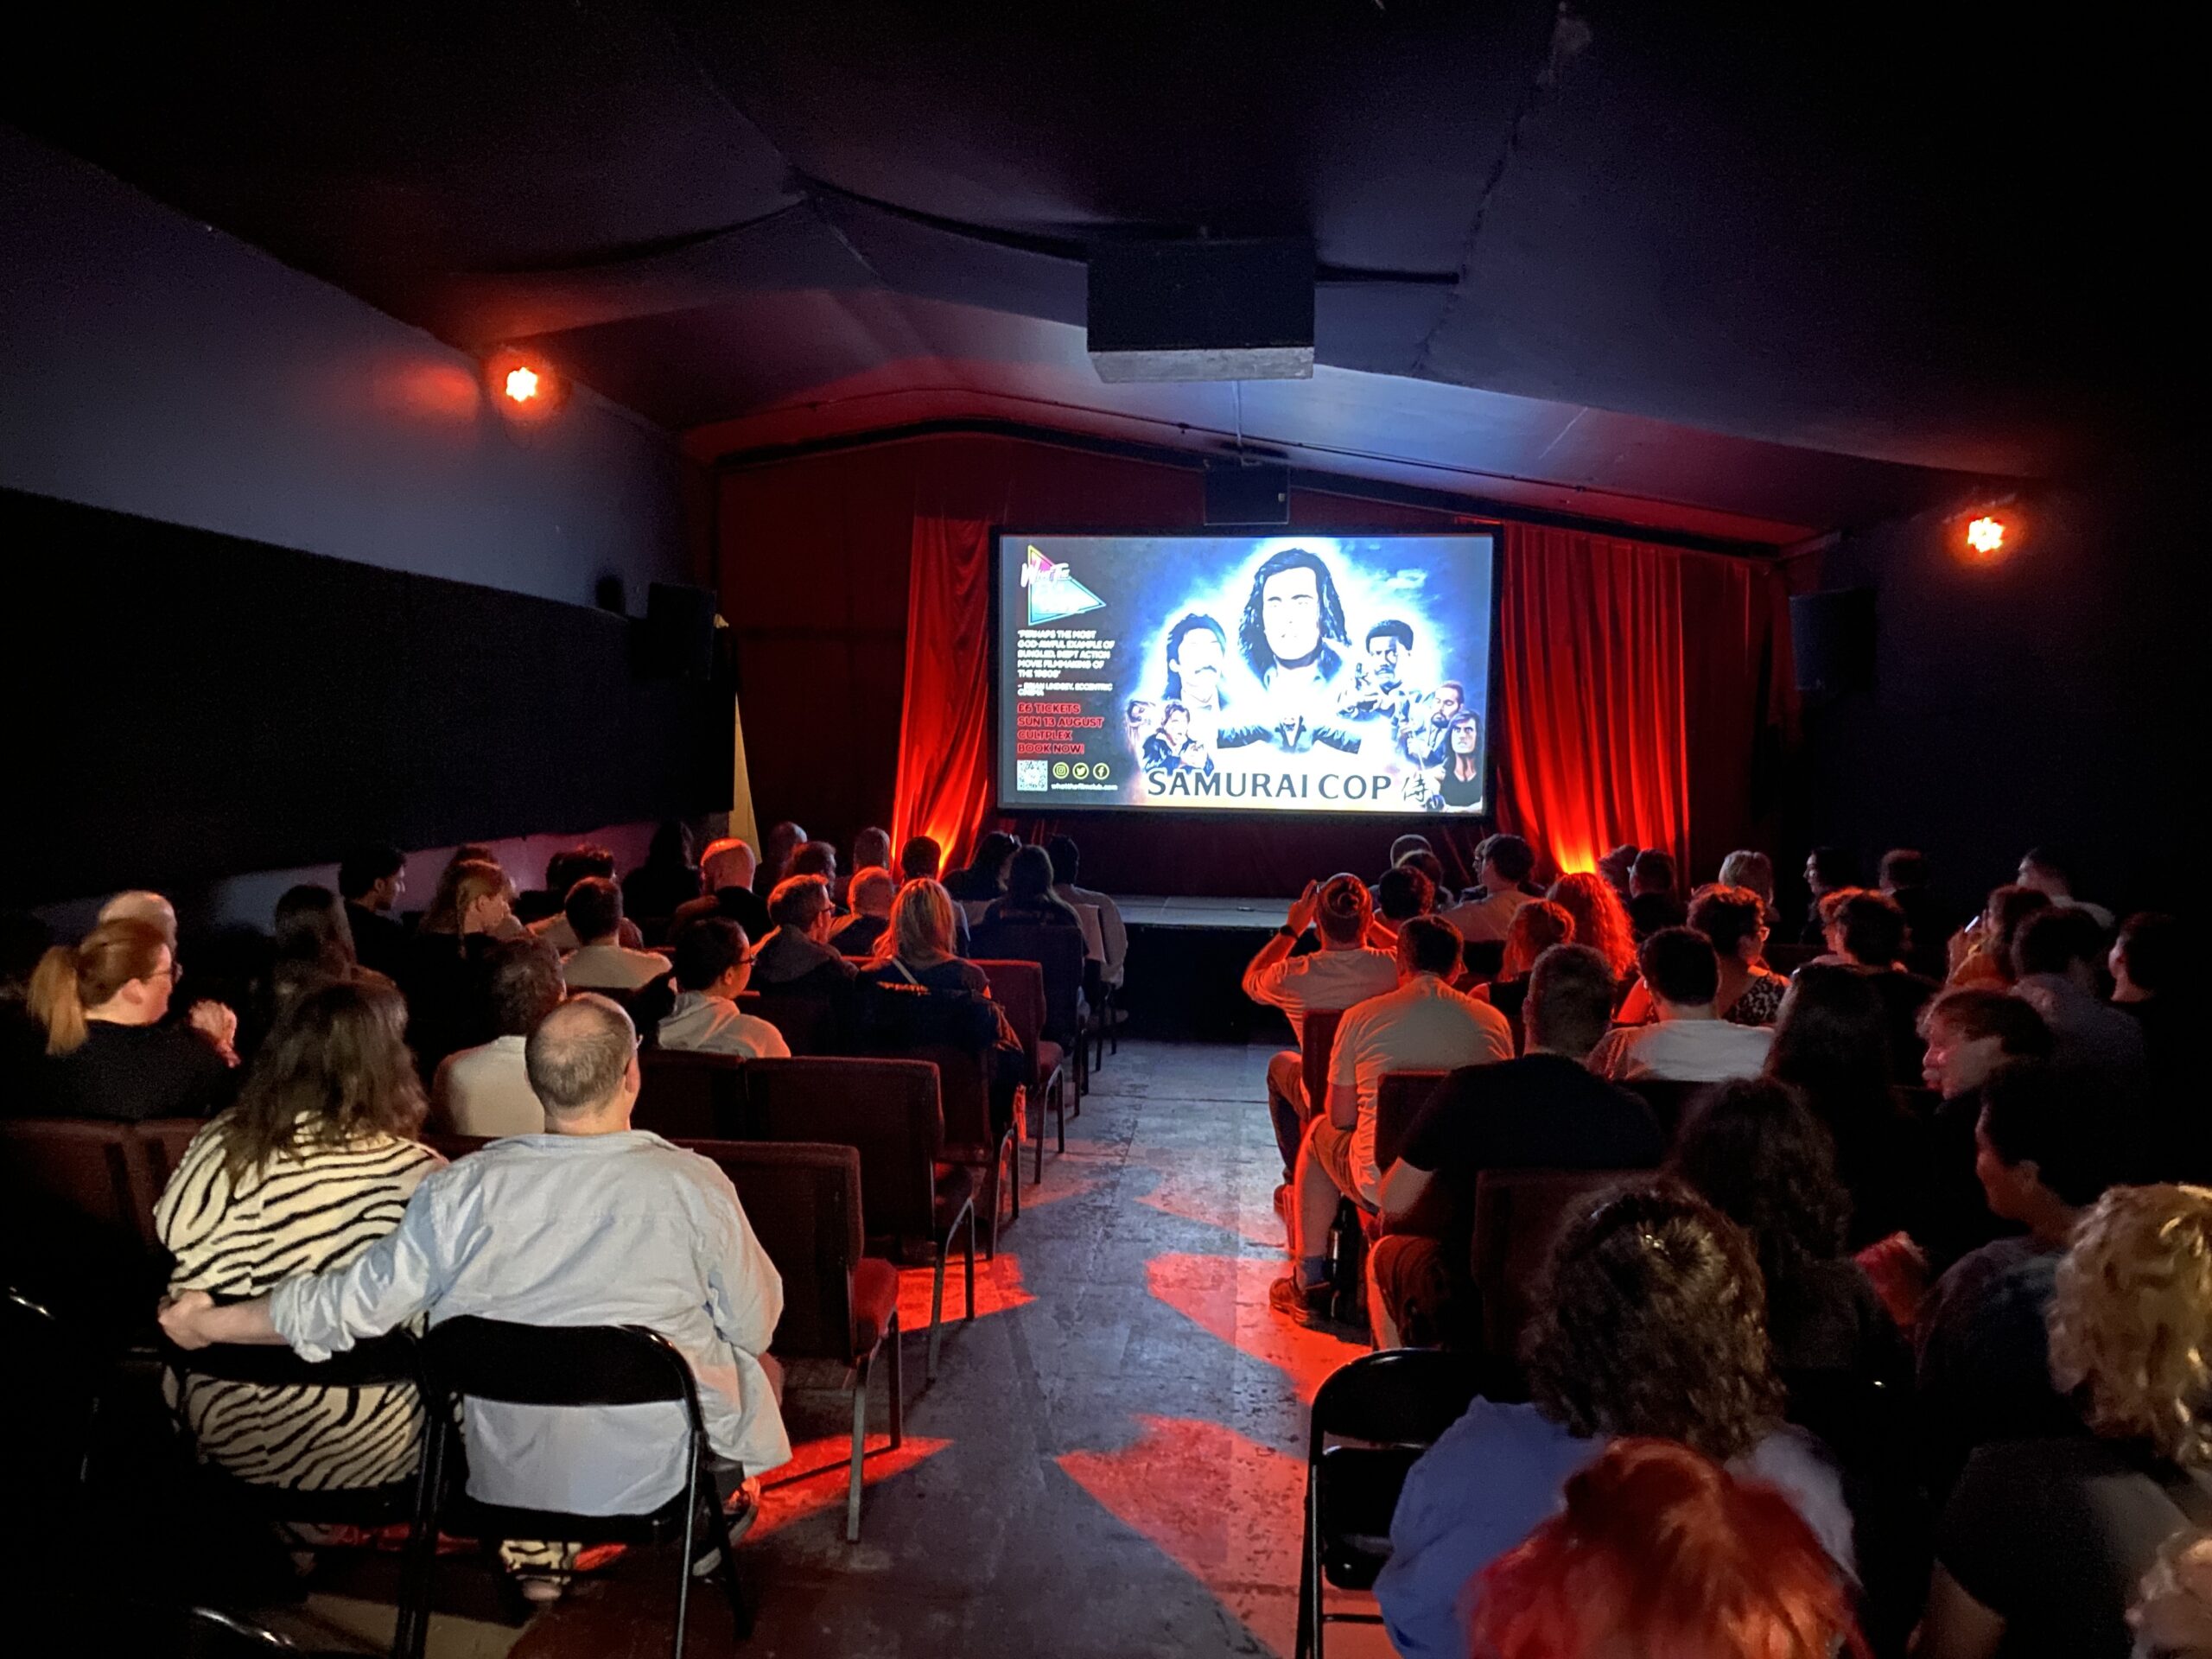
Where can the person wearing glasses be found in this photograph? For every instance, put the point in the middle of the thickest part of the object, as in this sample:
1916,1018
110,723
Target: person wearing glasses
714,961
101,1003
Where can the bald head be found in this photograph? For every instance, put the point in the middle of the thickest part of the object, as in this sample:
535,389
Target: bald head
142,906
581,1058
728,863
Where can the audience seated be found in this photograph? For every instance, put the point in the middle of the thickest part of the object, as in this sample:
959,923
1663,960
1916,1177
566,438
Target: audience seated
2148,962
1750,992
448,961
796,960
371,878
1980,953
1690,1042
1343,972
1653,900
817,858
2051,873
873,889
2044,1543
984,878
1969,1034
666,880
1029,900
1828,870
1422,1026
921,859
2056,961
601,961
1402,894
917,948
1754,1152
776,849
101,1004
1114,933
1614,870
486,1090
2044,1156
1601,922
728,868
1660,1553
1865,932
1502,864
1904,879
592,1222
872,850
311,944
1832,1044
1652,1324
1749,868
1544,1110
314,1164
563,871
1426,860
714,964
1537,925
2172,1614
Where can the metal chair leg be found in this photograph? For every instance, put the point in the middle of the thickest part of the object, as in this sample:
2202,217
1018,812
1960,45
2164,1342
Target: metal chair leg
969,1310
411,1627
690,1544
897,1381
1313,1644
860,1445
936,1305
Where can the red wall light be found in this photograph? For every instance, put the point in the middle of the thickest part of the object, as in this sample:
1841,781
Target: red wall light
523,387
1988,538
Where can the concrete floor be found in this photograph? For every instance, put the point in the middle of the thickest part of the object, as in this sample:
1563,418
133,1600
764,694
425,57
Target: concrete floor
1110,1462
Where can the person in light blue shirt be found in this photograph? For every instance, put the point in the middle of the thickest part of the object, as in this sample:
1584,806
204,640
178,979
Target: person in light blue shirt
592,1222
1654,1323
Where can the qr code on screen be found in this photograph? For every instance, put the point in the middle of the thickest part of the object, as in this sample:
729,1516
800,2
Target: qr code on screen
1029,774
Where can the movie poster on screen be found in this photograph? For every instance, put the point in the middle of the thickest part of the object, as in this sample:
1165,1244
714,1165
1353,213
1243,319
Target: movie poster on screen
1281,673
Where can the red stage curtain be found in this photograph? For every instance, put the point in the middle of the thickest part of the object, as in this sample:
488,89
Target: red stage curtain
1638,682
944,785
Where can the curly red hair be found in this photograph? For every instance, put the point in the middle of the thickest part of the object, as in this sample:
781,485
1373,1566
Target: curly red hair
1661,1553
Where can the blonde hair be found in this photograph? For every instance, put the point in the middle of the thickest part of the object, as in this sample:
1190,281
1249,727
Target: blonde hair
2132,1318
921,924
464,881
71,979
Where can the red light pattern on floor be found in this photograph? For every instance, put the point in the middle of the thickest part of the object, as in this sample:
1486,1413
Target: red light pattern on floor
815,1479
1227,1296
998,1290
1206,1203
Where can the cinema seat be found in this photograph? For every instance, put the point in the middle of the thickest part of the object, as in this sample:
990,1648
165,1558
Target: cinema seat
687,1096
809,1024
1058,953
1019,988
1398,1101
1518,1214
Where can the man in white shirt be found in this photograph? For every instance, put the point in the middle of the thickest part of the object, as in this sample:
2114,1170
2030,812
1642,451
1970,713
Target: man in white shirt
713,962
1506,861
1422,1026
1342,972
1690,1042
600,961
486,1090
593,1223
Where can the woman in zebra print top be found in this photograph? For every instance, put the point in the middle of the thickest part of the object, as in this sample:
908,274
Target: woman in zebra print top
314,1164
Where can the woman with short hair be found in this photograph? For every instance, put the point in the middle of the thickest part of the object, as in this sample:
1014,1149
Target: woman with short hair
917,948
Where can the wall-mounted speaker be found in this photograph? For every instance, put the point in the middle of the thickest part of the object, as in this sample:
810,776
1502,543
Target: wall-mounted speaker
1831,636
679,633
1239,493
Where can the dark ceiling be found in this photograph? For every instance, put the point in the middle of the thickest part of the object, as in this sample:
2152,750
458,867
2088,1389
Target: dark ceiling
1713,268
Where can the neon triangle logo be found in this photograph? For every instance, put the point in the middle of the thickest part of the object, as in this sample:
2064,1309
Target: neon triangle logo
1053,594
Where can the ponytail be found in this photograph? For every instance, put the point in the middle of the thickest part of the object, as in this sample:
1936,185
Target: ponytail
71,981
55,1003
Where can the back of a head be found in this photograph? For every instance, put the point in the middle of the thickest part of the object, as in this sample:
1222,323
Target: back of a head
1429,865
920,859
1832,1032
1535,928
1749,868
1660,1553
334,1069
705,950
2054,941
992,851
814,858
474,852
464,881
873,888
1404,892
310,925
1600,919
872,849
796,901
571,865
1752,1149
1873,926
1344,909
777,845
1029,874
594,908
728,863
1651,1319
1515,858
2008,910
1570,1002
579,1055
1973,1014
1679,965
2060,1118
2051,867
1067,860
1903,869
1653,872
526,984
366,865
1428,945
72,978
141,905
1727,917
2154,952
1405,844
922,928
2131,1319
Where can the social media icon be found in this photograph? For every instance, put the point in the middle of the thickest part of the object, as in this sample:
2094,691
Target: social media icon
1059,768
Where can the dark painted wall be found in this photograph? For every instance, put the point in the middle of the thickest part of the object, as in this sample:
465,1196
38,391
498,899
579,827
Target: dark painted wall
2053,696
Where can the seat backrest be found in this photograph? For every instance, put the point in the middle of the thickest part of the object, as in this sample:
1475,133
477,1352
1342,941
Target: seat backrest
1398,1101
1518,1215
1401,1396
89,1168
1317,1043
803,1199
1669,1098
964,1092
1057,952
1788,958
809,1024
392,1357
687,1096
887,1109
553,1365
1019,988
162,1143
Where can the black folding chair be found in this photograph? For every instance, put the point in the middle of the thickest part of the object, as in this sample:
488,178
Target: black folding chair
562,1365
384,1362
1371,1419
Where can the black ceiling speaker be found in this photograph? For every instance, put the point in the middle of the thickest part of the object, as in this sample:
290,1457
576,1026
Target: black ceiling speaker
1831,636
1240,492
1202,310
679,633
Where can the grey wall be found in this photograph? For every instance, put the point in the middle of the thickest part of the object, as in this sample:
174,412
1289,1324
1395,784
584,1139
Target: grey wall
154,365
2055,696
